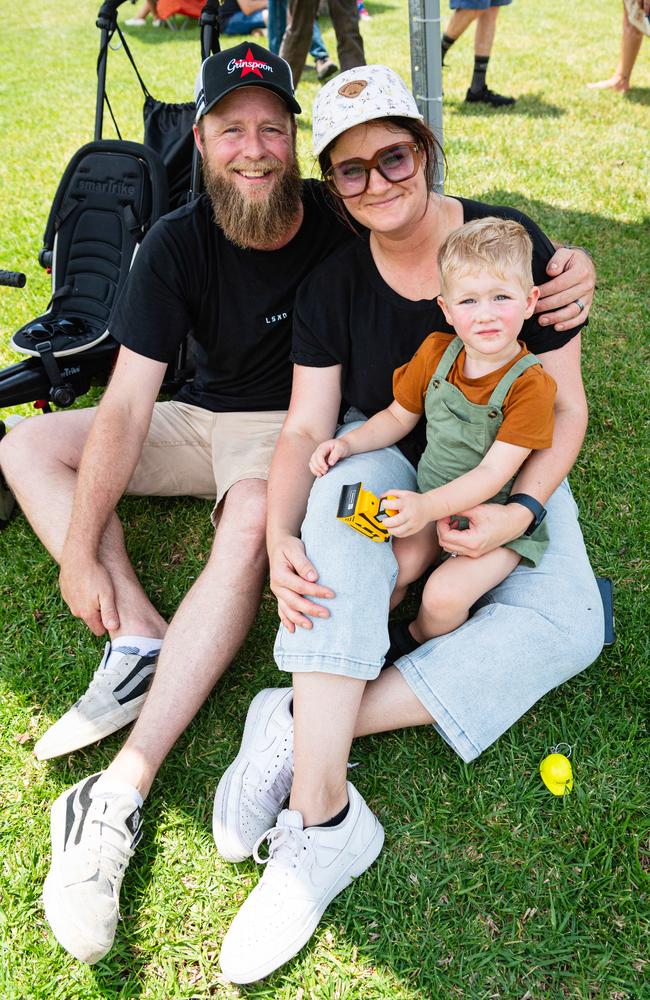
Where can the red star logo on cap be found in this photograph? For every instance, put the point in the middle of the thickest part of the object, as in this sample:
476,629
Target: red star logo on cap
253,66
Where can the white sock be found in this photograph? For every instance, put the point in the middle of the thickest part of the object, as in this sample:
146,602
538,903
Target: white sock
106,787
139,643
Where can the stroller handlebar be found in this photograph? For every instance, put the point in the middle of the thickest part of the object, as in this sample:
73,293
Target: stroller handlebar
109,7
14,279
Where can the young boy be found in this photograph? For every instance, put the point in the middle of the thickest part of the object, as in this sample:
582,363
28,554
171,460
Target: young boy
488,404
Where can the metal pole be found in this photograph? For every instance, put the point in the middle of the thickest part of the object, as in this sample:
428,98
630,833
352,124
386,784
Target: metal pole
209,25
426,67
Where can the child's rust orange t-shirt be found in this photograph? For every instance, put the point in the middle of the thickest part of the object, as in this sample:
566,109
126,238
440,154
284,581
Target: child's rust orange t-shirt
527,409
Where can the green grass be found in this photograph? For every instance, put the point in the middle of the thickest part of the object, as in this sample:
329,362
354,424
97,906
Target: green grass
488,887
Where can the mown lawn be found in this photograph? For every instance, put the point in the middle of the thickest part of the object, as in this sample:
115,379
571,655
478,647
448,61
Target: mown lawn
488,886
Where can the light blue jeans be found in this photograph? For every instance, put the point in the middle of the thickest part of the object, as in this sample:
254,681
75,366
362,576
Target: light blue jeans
534,631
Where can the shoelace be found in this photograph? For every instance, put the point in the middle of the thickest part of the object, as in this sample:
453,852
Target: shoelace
269,792
288,847
111,849
103,677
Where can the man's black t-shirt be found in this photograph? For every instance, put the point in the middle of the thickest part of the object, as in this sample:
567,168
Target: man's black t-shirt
346,314
238,303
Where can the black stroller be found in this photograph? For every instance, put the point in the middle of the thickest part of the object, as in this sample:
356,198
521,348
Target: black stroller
111,193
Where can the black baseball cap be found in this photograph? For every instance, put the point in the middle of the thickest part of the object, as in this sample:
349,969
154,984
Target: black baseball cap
245,65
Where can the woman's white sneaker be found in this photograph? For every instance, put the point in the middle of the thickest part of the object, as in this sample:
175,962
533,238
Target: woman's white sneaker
305,870
93,839
254,788
114,698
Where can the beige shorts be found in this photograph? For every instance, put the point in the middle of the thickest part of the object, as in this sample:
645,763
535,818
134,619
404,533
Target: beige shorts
194,452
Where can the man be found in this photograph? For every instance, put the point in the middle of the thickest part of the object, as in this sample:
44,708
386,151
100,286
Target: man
233,283
485,13
215,440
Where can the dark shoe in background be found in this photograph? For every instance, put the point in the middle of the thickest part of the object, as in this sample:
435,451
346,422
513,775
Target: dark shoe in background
487,96
325,68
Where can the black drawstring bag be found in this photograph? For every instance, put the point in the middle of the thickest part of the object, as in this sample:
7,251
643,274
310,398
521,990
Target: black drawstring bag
168,131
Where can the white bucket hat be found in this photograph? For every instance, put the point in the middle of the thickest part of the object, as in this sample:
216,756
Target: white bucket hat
359,95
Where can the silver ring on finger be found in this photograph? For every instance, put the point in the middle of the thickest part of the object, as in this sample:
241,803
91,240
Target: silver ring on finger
581,306
453,555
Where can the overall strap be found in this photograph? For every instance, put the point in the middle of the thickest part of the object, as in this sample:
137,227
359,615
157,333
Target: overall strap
502,389
448,358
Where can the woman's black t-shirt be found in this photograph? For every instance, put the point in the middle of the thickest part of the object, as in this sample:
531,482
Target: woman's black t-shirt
347,315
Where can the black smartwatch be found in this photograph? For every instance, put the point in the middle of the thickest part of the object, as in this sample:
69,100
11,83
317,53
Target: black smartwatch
531,504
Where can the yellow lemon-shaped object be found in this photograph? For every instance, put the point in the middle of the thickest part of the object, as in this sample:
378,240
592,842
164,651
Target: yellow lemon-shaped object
557,773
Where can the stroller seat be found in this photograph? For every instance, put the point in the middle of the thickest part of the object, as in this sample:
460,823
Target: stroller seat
110,194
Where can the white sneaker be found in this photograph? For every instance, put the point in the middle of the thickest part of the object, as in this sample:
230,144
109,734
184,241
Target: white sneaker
93,840
136,22
253,789
114,698
306,869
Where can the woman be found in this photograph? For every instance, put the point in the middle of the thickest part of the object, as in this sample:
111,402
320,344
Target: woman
357,318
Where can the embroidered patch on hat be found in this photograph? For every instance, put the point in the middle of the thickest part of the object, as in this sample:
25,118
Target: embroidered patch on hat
353,88
249,65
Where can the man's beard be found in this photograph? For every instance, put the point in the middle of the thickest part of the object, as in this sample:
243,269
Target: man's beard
255,222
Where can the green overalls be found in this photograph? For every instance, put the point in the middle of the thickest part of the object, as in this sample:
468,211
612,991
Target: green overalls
460,433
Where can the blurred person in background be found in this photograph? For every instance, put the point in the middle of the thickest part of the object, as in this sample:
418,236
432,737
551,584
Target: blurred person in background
485,13
243,17
345,20
277,25
140,17
636,24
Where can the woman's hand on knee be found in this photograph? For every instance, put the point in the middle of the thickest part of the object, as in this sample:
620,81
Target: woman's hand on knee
490,526
293,581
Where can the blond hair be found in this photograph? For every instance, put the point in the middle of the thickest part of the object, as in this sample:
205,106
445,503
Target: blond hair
500,246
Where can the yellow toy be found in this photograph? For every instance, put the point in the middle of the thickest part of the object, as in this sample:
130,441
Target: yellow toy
556,770
364,512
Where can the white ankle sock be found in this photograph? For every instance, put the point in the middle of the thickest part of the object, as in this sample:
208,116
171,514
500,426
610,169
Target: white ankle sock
106,787
142,643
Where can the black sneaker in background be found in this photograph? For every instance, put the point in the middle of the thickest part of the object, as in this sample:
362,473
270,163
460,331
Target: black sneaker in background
487,96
